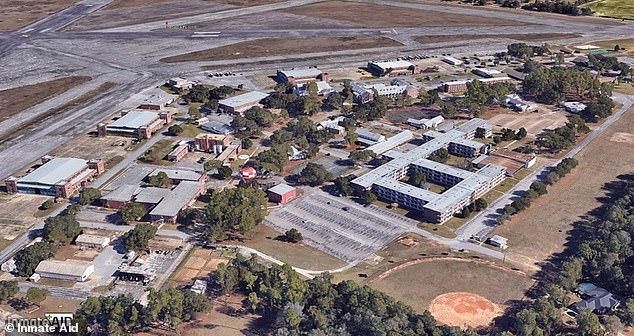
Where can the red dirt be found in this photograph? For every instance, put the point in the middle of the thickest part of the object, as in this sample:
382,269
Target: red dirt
464,309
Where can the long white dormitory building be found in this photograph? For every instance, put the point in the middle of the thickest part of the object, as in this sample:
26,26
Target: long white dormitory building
464,186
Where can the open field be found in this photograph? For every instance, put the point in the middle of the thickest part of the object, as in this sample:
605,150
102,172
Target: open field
426,279
298,255
17,14
19,99
621,9
18,213
551,216
367,15
198,264
278,46
535,123
89,147
519,37
157,154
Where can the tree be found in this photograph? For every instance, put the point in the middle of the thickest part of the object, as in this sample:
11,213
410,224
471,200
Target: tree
539,187
441,155
160,180
224,172
526,323
35,295
293,236
61,229
465,212
262,117
418,179
480,204
351,137
247,143
239,209
175,130
362,155
88,195
131,212
368,197
137,239
211,165
8,289
47,204
27,259
521,134
314,175
343,185
333,101
588,324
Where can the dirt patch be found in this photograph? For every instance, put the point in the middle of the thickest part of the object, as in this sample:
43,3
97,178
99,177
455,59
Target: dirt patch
464,309
534,122
112,149
419,282
551,216
520,37
623,137
278,46
17,14
20,98
371,15
18,213
133,3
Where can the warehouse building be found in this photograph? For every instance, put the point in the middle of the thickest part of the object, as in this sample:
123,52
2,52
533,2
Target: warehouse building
241,103
136,123
181,197
452,61
92,241
300,76
368,137
179,84
464,186
177,176
487,73
156,101
393,68
282,193
74,270
217,127
460,86
58,177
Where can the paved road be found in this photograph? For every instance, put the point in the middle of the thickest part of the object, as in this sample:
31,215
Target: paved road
486,221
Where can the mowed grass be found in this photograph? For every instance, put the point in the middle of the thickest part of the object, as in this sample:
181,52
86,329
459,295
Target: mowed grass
543,229
417,285
622,9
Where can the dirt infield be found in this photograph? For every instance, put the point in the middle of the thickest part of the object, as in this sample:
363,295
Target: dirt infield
371,15
419,282
279,46
464,309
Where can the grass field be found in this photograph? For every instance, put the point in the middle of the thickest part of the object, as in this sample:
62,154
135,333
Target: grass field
366,15
278,46
551,216
157,153
622,9
429,278
17,14
19,99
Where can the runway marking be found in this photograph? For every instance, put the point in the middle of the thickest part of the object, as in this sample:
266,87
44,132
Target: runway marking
205,36
206,33
45,30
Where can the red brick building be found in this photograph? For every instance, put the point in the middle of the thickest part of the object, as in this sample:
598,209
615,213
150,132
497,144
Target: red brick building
282,193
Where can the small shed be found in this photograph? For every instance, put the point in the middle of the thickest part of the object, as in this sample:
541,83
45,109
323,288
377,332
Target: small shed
282,193
498,241
92,241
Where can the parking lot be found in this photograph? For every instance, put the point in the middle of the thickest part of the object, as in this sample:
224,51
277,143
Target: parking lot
339,226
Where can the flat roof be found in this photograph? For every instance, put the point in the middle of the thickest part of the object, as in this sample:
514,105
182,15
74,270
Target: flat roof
407,189
246,98
178,174
66,267
393,64
468,143
217,127
391,142
177,199
92,239
157,99
281,189
443,168
134,119
151,195
474,124
301,73
55,171
123,193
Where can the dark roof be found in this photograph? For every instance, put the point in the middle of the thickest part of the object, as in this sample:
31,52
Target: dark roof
602,303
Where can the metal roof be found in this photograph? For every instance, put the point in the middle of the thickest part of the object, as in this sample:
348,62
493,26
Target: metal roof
391,142
407,189
301,73
177,199
123,193
151,195
393,64
67,267
55,171
178,174
92,239
281,189
134,119
243,99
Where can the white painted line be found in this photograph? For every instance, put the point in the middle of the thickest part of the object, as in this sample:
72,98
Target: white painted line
206,33
205,36
45,30
28,30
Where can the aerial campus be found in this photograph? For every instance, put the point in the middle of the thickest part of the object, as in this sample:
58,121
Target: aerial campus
317,167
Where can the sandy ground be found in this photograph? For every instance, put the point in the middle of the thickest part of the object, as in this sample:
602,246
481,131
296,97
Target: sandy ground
419,282
198,265
18,99
551,216
19,13
520,37
278,46
370,15
88,147
535,123
463,309
18,213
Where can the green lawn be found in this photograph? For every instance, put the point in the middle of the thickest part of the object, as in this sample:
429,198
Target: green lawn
622,9
157,153
190,130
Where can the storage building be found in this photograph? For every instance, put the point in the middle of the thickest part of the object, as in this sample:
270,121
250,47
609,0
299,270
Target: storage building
92,241
74,270
393,68
241,103
139,124
282,193
299,76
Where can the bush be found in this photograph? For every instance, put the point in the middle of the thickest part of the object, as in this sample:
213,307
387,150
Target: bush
293,236
175,130
88,195
224,172
47,204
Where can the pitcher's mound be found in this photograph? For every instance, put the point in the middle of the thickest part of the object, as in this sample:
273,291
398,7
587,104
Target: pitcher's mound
464,309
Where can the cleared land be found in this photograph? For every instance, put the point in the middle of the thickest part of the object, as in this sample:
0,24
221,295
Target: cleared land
520,37
278,46
551,216
371,15
19,13
534,122
622,9
20,98
427,279
18,212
